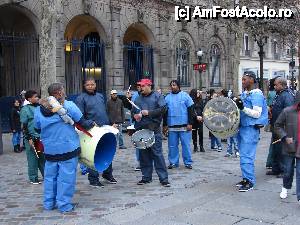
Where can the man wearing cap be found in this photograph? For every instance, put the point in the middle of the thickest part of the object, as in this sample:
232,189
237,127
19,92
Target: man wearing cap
253,116
178,121
283,98
115,111
151,106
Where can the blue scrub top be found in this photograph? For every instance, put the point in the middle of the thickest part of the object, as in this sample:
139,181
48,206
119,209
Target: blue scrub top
57,136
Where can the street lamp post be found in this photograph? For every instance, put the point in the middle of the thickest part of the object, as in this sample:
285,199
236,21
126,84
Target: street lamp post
200,55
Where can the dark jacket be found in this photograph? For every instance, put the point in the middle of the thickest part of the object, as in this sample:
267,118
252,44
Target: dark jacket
15,123
282,100
115,111
93,107
286,125
198,109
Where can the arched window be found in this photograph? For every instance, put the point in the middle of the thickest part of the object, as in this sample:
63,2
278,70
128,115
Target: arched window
183,62
215,62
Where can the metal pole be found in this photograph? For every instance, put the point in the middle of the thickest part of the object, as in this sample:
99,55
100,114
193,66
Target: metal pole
200,73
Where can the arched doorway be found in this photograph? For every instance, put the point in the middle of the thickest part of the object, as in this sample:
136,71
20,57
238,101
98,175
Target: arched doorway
138,54
84,54
19,52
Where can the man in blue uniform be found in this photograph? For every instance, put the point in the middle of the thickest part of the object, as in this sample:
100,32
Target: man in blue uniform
152,106
178,121
61,148
254,115
92,106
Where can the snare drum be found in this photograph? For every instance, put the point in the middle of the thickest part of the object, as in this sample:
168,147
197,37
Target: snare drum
143,139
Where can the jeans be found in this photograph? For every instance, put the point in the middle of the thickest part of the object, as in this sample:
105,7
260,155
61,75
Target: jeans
247,141
277,165
120,135
150,155
94,175
288,175
197,131
59,184
137,155
232,142
269,162
16,138
215,141
173,142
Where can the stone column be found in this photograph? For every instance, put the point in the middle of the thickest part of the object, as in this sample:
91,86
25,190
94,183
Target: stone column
117,76
47,43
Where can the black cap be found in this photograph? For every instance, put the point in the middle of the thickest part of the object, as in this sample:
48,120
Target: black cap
250,74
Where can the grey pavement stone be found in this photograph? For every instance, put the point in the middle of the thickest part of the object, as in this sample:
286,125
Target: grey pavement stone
204,195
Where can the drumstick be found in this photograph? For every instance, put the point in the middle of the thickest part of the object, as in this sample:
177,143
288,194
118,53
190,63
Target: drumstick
129,88
134,105
279,140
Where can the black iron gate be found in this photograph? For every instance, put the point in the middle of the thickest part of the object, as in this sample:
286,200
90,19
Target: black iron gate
138,62
84,58
19,63
19,70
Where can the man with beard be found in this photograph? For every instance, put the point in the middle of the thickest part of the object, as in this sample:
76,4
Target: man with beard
92,106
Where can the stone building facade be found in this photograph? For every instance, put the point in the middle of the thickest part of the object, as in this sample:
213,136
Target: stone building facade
115,41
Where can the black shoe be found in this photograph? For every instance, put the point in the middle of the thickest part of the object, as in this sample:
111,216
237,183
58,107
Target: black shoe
97,185
280,175
165,184
246,187
16,149
171,166
189,166
202,149
110,180
142,182
122,147
272,173
241,183
195,149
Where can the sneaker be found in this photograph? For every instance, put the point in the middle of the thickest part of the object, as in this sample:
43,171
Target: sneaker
202,149
272,173
189,166
74,205
283,193
35,182
165,184
142,182
237,154
110,180
97,185
241,183
138,168
246,187
171,166
219,149
228,155
214,148
122,147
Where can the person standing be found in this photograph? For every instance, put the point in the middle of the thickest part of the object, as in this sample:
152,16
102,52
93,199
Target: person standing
15,125
197,120
152,107
178,123
93,108
116,115
31,135
253,116
287,127
284,98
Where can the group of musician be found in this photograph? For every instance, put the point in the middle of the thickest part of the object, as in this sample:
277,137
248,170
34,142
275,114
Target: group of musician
177,116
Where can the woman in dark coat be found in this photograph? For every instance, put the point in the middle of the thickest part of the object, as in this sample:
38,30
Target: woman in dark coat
198,120
15,125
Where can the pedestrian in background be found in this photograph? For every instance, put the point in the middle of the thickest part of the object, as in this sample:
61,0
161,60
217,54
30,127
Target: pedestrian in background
197,125
15,125
116,115
287,127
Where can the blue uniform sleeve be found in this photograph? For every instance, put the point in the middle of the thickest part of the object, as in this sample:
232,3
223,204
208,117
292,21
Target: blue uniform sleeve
37,122
23,115
74,112
257,100
188,100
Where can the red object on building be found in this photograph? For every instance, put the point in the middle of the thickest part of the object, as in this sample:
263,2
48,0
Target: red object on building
200,67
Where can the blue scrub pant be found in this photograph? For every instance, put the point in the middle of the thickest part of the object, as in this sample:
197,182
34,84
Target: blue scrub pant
150,155
173,142
16,138
247,140
59,184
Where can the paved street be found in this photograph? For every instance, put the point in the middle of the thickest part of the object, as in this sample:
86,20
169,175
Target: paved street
205,195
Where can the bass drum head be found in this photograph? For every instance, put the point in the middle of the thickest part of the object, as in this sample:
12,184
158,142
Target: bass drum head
222,117
143,139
